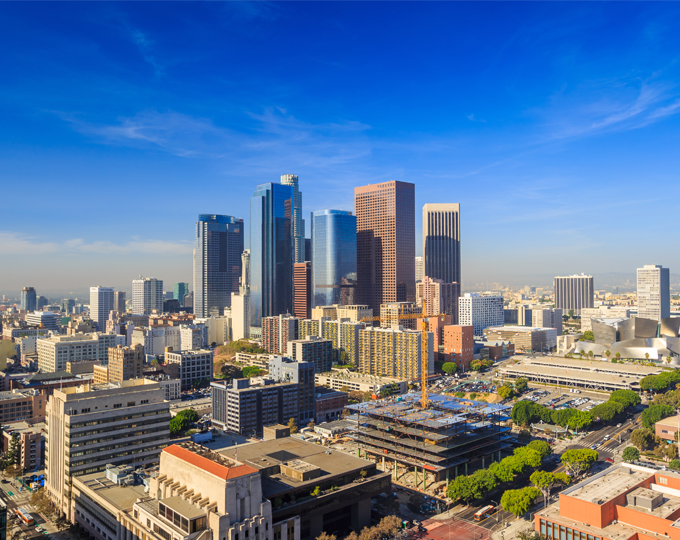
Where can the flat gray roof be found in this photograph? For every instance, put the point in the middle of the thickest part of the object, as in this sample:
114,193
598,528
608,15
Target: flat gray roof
122,497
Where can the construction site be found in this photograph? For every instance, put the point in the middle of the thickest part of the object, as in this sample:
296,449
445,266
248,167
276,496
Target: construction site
431,444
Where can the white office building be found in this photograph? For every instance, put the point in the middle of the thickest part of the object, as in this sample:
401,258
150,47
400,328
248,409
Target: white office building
480,311
420,269
147,295
653,292
44,319
56,350
101,304
574,293
602,312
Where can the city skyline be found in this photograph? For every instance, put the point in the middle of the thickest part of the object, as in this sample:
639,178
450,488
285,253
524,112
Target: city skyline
551,137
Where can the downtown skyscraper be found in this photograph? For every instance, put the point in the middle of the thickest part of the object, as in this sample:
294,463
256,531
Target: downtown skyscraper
299,253
271,251
574,293
147,295
101,304
385,243
334,257
441,242
217,262
29,299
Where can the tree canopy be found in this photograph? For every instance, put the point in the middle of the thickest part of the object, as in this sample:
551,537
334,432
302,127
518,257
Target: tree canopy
652,414
542,447
518,501
578,461
521,385
505,392
449,367
628,398
545,481
642,438
630,453
661,382
182,421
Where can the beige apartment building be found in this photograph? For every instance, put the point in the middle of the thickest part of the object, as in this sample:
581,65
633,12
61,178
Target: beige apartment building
55,351
396,353
92,426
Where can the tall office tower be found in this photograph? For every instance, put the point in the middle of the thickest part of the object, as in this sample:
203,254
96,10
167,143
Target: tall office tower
43,319
240,303
147,295
67,305
386,251
574,292
125,363
277,332
480,311
41,302
29,299
179,290
299,254
101,304
441,241
548,318
653,292
302,290
271,251
217,262
420,269
439,297
119,302
118,438
334,257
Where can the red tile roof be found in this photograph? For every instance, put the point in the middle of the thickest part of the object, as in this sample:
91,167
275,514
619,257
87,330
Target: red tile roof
208,465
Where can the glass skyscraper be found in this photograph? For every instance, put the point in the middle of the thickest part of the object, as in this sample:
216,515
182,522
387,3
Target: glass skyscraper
334,257
217,262
271,251
180,290
29,299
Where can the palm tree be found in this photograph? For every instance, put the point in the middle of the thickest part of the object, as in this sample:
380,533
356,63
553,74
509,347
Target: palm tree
668,359
607,353
646,356
618,355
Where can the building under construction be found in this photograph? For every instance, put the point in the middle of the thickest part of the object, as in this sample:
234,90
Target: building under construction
450,437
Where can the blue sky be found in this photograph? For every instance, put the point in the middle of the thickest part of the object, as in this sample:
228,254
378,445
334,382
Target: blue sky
555,125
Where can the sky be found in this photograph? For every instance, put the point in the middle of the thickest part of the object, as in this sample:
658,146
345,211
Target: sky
554,125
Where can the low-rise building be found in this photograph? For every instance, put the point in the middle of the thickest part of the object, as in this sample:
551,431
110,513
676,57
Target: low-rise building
31,441
459,345
287,370
524,338
78,367
350,381
195,367
667,428
334,429
329,404
56,350
22,405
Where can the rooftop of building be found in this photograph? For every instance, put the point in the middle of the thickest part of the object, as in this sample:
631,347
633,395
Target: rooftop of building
267,455
517,329
211,462
80,392
119,496
337,424
61,338
671,422
323,392
17,394
444,410
606,487
358,377
23,427
635,370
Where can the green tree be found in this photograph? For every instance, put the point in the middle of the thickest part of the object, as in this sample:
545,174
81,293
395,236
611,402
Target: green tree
674,464
578,461
251,371
587,336
521,385
485,479
530,534
642,438
647,356
668,359
580,420
463,488
518,501
652,414
607,411
618,356
630,453
671,398
628,398
542,447
571,313
591,354
505,392
525,412
449,367
545,481
325,536
476,365
528,457
11,457
607,353
561,417
502,471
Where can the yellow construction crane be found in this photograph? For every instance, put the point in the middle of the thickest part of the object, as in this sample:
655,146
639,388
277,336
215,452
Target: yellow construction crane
424,342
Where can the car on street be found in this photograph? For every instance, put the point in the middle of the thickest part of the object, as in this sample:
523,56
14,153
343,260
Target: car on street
593,447
609,460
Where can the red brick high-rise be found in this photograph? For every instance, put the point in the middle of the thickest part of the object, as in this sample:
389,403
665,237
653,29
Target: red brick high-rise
385,243
459,345
302,290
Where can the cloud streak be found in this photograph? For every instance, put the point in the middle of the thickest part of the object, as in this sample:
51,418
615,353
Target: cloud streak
12,243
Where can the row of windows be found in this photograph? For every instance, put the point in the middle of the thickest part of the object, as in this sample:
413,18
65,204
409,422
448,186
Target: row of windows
560,532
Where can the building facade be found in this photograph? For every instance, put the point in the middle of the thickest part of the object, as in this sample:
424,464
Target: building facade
240,303
385,243
334,257
313,349
441,241
119,302
217,262
55,351
438,297
524,338
459,345
480,311
147,296
602,312
22,405
653,292
43,319
180,290
277,332
302,290
395,353
298,224
195,367
29,299
574,293
125,363
548,318
420,269
101,304
271,251
92,427
286,370
390,315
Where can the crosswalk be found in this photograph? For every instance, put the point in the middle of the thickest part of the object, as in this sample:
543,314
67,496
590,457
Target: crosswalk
586,444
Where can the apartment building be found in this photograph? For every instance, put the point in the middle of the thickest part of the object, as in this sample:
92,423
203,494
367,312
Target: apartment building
155,339
286,370
438,297
21,405
653,292
548,318
344,336
125,363
395,353
351,381
310,327
524,338
94,426
277,332
30,438
312,349
194,366
55,351
390,315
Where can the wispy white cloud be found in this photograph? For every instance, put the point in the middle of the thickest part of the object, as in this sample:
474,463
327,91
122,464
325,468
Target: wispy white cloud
145,44
13,243
472,118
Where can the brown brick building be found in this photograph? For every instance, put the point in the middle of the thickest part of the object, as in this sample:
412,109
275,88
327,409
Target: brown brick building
126,363
302,290
459,345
